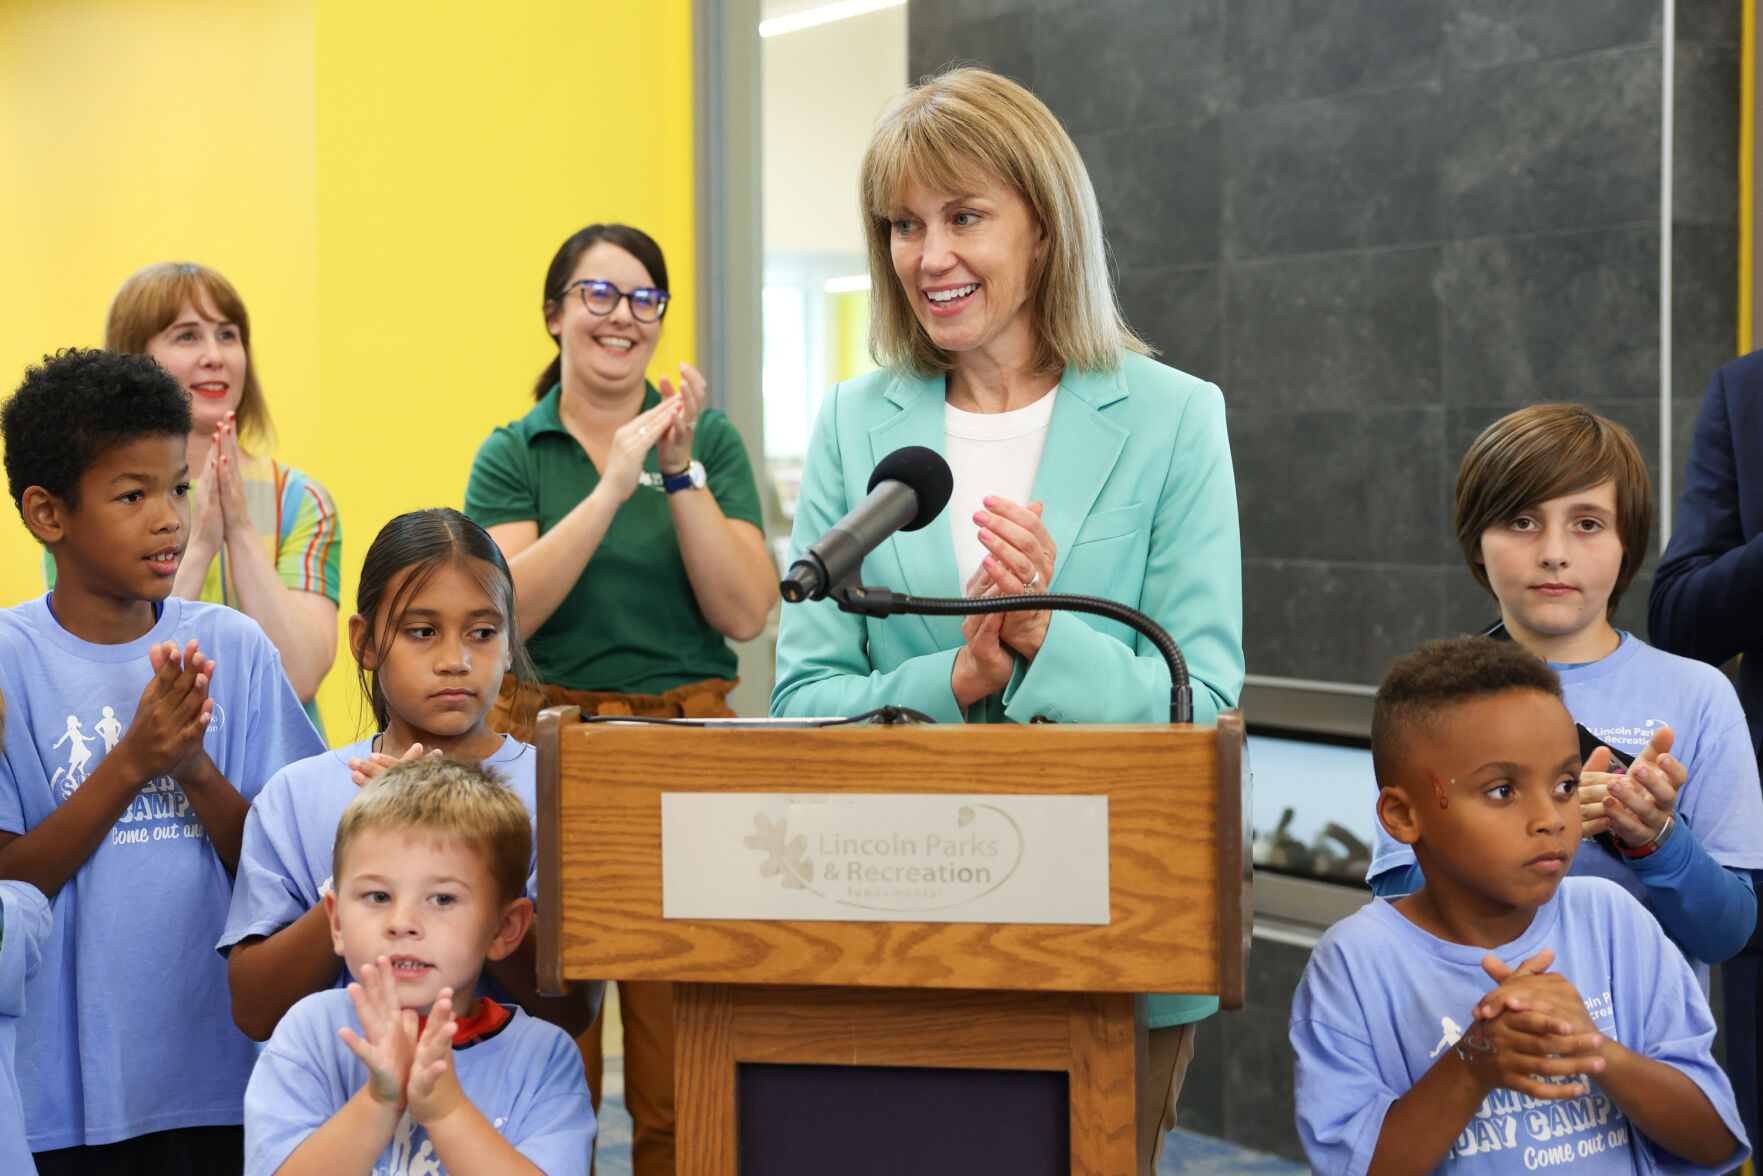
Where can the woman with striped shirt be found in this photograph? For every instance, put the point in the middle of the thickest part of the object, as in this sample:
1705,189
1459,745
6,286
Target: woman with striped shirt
264,537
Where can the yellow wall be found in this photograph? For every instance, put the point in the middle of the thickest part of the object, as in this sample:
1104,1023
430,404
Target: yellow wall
386,186
132,133
454,155
850,330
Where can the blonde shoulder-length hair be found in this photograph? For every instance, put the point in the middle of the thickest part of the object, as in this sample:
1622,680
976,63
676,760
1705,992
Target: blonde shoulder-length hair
149,301
966,127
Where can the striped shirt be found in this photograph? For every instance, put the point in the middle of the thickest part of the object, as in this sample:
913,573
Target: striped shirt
296,520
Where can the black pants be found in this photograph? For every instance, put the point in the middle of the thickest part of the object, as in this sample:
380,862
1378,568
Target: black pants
186,1151
1741,976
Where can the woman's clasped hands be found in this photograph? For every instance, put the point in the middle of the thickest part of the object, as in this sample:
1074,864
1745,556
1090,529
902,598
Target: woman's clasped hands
1020,559
218,512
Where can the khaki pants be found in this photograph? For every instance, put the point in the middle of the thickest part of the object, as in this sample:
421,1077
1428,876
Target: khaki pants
646,1012
518,704
1171,1049
646,1006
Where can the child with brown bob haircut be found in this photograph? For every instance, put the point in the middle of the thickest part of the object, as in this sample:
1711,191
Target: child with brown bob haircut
410,1071
1503,1017
1553,511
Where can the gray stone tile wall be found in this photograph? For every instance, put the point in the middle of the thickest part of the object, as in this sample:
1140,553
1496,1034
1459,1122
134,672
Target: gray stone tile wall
1378,225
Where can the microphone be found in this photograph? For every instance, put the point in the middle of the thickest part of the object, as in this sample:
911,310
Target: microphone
909,488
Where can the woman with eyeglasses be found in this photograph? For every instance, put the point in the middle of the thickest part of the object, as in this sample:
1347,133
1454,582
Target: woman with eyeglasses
631,522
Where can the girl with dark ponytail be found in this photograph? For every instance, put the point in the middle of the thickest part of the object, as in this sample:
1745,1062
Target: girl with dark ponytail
433,634
409,552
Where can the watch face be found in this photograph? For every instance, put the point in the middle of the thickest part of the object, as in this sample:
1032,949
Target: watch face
696,472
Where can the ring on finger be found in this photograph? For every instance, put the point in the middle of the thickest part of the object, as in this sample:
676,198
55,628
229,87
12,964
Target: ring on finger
1032,580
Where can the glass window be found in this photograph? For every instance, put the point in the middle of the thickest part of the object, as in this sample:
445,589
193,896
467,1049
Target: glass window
1315,808
824,84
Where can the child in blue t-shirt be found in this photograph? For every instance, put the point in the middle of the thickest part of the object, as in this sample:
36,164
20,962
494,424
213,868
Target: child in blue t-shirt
1553,509
430,862
1501,1018
433,635
139,727
24,927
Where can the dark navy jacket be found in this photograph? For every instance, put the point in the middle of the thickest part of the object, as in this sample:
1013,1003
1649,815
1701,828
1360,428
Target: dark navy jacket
1707,596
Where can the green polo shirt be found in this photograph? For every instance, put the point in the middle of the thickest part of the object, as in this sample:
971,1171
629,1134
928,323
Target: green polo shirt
631,622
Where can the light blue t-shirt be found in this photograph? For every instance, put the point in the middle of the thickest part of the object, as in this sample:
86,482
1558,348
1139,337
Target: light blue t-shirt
1381,1000
1621,699
285,861
526,1080
24,928
130,1029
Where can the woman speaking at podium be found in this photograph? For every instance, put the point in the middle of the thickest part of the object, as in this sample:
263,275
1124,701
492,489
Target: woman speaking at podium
1080,464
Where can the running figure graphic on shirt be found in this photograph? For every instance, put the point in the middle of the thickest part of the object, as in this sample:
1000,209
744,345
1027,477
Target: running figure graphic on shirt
409,1157
1452,1035
109,728
65,780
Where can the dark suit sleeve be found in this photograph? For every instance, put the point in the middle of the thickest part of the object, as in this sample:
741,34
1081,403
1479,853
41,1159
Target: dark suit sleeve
1703,602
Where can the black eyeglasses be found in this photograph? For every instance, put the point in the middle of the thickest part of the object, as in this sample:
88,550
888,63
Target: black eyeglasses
647,305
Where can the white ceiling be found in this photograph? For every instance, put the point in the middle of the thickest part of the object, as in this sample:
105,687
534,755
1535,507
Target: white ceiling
772,9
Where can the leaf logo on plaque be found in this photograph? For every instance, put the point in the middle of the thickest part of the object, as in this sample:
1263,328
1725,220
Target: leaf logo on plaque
920,869
784,861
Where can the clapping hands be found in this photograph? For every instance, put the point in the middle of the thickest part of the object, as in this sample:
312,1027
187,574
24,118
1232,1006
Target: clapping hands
1020,558
165,736
673,448
1635,805
632,442
408,1068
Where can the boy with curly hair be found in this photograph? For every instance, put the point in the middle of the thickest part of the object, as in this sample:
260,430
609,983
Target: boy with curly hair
140,727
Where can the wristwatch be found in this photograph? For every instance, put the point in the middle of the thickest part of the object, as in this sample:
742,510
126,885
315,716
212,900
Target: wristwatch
690,478
1648,848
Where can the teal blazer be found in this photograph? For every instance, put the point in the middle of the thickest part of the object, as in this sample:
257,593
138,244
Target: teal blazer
1141,505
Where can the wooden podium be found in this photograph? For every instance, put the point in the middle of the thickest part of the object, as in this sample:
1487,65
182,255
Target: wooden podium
931,995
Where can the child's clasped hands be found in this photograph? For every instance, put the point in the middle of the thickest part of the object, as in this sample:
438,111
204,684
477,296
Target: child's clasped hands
409,1062
1532,1033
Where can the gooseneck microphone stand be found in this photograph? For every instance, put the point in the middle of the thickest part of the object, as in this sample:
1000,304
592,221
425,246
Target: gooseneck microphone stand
884,602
